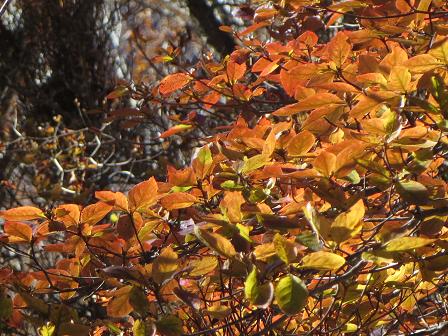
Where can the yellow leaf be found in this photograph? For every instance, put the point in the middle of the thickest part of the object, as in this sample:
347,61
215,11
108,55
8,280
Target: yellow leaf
285,249
399,79
407,243
164,265
254,163
203,265
216,242
348,224
143,195
323,261
441,52
422,63
325,163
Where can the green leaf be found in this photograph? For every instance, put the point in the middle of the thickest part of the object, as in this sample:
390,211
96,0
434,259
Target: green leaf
291,294
323,261
413,192
310,240
5,306
258,295
169,325
139,301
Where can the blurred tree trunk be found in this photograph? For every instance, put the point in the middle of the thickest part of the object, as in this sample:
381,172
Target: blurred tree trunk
221,41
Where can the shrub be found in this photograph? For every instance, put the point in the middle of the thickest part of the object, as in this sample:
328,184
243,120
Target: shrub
320,210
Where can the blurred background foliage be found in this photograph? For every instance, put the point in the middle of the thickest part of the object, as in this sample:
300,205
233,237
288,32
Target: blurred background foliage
76,109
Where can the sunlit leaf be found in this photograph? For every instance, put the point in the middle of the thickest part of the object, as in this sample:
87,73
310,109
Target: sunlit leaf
259,295
216,242
291,294
323,261
407,243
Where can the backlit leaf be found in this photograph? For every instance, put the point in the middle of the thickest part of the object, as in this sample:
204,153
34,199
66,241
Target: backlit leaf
399,79
422,63
143,195
143,328
203,266
173,82
178,200
202,162
119,305
22,213
164,265
93,213
18,232
260,295
175,129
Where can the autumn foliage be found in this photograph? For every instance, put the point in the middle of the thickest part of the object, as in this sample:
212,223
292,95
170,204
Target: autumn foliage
320,210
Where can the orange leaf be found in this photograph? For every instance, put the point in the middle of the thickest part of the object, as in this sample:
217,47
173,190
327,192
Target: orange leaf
68,214
22,213
178,200
301,143
93,213
120,306
339,49
235,71
231,206
18,232
143,194
325,163
175,129
310,103
118,199
173,82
